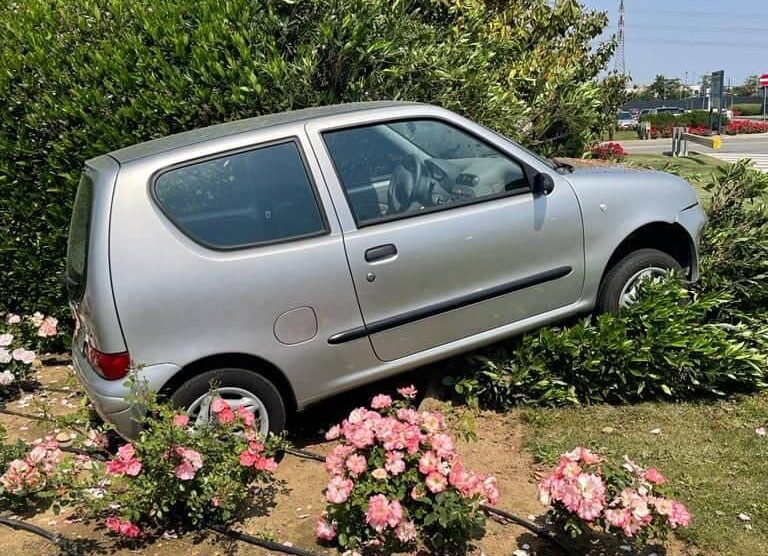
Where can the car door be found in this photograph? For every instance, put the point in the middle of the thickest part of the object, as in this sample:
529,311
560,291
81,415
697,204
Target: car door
460,245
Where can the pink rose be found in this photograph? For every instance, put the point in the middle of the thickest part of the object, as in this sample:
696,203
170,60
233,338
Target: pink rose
436,482
406,532
443,445
408,392
222,410
356,464
132,467
395,514
491,490
325,531
23,355
338,490
395,463
653,476
6,339
13,319
246,416
180,420
48,327
333,433
128,529
432,422
37,318
377,515
382,401
5,356
428,463
185,471
680,516
126,451
379,474
115,467
113,524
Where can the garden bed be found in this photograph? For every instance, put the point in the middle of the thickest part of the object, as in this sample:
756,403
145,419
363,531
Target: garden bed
498,450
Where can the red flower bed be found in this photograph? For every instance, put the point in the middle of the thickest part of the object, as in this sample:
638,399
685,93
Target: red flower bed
746,126
608,151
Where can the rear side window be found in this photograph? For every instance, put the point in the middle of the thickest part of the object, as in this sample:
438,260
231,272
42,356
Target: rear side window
79,231
244,199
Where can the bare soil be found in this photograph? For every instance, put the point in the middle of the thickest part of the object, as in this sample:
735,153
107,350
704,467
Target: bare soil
290,515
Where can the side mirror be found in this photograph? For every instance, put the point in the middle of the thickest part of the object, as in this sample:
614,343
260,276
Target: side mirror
543,184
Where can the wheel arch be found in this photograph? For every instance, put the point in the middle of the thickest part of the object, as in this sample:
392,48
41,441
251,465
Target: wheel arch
245,361
669,237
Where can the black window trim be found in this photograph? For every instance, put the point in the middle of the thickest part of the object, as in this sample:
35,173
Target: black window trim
326,230
528,172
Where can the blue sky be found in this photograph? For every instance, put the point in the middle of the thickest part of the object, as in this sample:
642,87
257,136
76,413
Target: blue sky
673,37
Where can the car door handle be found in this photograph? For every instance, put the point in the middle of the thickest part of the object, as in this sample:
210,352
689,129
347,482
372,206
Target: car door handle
380,252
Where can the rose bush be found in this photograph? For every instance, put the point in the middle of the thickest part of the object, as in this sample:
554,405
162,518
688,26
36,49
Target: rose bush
41,473
396,482
587,491
176,476
608,151
20,337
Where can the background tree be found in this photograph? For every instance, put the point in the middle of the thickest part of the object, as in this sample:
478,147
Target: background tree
749,87
664,88
79,78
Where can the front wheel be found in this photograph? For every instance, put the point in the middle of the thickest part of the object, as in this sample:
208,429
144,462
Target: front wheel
237,387
619,287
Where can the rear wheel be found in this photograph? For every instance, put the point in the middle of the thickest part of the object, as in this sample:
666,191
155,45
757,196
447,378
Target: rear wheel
619,287
237,387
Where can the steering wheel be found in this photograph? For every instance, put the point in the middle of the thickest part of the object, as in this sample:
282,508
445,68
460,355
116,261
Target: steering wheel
404,185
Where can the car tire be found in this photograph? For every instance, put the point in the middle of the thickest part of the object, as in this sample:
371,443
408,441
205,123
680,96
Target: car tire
611,296
250,387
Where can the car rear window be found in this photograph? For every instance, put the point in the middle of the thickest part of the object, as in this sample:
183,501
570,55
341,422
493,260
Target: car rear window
244,199
79,231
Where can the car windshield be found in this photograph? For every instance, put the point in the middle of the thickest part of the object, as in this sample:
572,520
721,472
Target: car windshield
625,116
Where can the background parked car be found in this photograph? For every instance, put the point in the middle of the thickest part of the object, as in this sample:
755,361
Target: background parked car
625,120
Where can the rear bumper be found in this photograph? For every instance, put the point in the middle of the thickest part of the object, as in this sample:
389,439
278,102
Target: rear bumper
110,397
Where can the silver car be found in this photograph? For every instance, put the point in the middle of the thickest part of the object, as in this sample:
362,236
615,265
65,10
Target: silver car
290,257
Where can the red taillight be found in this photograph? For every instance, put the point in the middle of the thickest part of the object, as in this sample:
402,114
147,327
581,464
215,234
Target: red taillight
112,366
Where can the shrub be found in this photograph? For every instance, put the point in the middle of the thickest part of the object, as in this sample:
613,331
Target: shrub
608,151
176,476
41,474
664,345
737,127
586,491
17,335
752,109
80,78
663,123
735,241
397,481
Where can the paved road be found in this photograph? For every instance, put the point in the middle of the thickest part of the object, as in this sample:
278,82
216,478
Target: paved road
744,144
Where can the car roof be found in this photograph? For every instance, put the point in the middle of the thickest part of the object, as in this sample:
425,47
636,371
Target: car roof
187,138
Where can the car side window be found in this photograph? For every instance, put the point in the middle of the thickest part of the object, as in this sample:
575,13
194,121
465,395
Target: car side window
404,168
242,199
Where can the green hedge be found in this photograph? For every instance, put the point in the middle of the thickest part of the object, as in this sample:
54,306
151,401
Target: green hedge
79,78
748,109
696,118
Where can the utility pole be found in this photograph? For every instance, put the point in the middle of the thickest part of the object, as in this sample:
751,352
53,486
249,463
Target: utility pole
619,63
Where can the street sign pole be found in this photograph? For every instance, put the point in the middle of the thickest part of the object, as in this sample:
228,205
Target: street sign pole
764,83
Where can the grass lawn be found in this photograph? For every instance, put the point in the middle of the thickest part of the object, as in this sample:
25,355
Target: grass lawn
715,461
624,135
